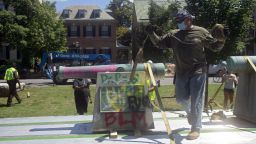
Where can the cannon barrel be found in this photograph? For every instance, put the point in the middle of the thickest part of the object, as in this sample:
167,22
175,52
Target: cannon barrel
238,64
91,71
245,100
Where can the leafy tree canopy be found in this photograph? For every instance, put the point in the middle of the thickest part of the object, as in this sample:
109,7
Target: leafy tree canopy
122,11
162,18
33,27
123,35
11,31
237,15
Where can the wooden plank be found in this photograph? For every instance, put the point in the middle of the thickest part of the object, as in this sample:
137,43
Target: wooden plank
250,62
166,122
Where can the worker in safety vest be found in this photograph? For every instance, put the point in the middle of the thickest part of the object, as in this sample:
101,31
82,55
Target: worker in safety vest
12,77
151,90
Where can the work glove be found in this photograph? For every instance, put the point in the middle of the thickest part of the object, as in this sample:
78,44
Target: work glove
218,32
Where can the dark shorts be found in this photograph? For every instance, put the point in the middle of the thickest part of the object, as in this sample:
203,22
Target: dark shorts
229,90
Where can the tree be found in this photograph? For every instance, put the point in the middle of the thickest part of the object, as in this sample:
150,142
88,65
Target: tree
11,30
123,35
40,28
122,11
235,14
163,18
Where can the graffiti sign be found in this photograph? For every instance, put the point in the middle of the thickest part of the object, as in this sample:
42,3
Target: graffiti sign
122,98
118,94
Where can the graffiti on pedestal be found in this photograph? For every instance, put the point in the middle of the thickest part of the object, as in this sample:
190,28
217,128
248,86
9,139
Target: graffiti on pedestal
121,103
118,94
135,119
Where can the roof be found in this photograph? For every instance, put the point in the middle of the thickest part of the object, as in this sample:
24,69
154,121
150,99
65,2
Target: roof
73,11
142,6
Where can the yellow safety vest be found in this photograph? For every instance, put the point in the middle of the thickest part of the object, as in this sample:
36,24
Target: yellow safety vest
152,94
9,74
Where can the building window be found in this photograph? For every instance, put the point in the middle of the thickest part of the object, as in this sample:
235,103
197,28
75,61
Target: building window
90,51
73,50
105,31
7,52
66,13
83,51
2,6
105,50
122,56
89,31
73,31
1,52
96,13
81,13
18,54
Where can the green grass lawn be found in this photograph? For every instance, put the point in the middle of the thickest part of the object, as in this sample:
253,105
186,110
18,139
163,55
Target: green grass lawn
59,100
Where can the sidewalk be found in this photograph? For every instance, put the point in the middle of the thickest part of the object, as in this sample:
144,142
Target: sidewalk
77,129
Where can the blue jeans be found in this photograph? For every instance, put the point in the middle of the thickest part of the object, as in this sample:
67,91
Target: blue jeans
190,91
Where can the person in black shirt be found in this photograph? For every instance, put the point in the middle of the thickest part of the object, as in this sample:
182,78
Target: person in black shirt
82,95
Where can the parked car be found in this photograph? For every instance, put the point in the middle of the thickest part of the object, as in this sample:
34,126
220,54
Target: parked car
216,69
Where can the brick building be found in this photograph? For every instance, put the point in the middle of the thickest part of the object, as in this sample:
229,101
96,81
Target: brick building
90,30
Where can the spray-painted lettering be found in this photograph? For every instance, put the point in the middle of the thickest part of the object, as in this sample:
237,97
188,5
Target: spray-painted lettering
137,103
120,79
122,98
133,119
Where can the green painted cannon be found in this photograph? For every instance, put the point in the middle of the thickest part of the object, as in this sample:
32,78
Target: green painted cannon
245,103
239,64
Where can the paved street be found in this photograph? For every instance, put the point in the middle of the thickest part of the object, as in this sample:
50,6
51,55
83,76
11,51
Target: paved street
77,129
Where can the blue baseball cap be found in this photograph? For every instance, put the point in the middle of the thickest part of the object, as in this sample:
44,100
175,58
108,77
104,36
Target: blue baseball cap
182,14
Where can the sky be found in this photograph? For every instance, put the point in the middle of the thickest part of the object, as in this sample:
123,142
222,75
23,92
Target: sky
61,4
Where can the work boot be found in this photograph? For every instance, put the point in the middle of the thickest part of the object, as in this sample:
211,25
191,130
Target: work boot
193,135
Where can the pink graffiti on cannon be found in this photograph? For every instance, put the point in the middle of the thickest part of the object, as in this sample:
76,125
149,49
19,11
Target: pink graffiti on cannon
86,71
105,68
73,73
